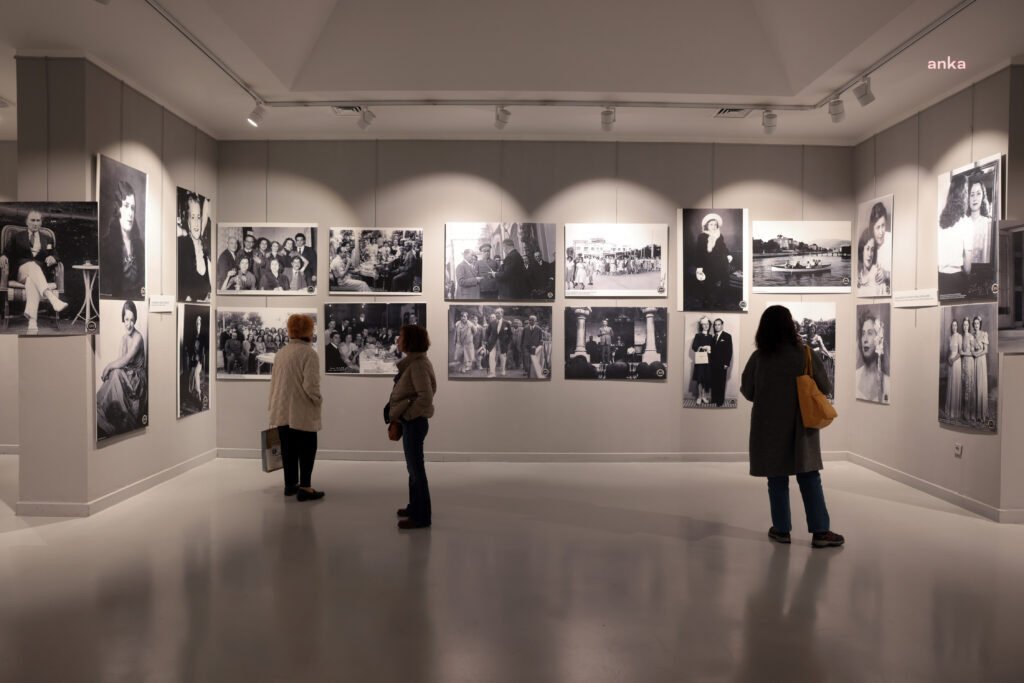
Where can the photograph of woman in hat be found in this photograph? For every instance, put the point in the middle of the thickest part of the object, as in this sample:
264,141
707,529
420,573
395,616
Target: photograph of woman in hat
713,272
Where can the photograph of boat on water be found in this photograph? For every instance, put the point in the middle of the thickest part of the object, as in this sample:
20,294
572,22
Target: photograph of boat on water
801,257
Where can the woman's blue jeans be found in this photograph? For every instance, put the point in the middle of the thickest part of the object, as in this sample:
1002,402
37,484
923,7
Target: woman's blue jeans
814,502
414,432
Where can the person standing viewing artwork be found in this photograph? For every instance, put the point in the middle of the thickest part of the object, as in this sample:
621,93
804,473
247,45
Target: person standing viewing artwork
780,445
295,405
122,207
194,225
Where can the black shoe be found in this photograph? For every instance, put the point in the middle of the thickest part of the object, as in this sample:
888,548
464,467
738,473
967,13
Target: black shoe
303,494
778,536
403,512
291,490
412,524
827,539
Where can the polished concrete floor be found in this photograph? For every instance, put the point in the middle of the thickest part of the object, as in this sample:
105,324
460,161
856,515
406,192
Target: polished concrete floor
532,572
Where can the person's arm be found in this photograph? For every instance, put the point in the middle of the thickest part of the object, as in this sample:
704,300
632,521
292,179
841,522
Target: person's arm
311,378
747,383
980,346
695,345
133,350
420,377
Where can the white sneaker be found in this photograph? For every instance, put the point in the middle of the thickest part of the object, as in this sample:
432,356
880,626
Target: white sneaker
33,326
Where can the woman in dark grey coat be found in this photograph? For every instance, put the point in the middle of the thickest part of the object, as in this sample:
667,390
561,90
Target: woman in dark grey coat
780,445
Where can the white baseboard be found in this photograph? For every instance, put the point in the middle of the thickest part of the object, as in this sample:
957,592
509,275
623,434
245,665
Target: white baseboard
519,456
9,449
52,509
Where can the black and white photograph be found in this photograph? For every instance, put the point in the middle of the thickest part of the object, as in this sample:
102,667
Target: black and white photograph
801,257
49,265
122,368
376,260
711,375
874,347
712,251
266,259
874,247
193,359
499,342
362,339
249,338
622,342
616,259
122,213
499,262
816,324
969,367
194,219
970,205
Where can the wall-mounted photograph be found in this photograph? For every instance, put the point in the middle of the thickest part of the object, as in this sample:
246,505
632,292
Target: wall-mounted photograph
376,260
874,247
122,368
362,339
969,367
801,257
616,259
499,261
712,254
49,268
816,324
122,211
194,220
499,342
970,204
249,338
711,378
629,343
193,359
266,258
874,349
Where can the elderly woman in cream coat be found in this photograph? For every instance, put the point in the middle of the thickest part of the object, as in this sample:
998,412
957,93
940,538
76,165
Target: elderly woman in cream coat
295,407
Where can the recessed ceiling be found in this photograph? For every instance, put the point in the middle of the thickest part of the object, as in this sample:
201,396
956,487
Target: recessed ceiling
768,52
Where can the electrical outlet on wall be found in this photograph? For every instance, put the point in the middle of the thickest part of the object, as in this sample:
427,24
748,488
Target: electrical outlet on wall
958,450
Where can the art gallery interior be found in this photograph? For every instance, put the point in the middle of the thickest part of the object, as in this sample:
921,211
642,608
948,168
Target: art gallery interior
582,530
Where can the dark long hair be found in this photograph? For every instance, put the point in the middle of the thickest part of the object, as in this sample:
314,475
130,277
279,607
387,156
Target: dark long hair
956,202
776,330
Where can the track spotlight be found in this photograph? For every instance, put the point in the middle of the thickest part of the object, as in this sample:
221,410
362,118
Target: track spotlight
836,110
365,118
256,117
769,120
607,119
501,117
862,91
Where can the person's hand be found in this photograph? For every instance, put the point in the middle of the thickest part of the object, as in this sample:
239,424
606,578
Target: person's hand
3,261
700,275
880,276
394,431
50,261
728,257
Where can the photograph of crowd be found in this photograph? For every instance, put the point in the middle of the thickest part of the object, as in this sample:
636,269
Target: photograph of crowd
266,258
712,379
194,220
801,257
874,347
122,368
613,260
616,343
712,246
362,338
969,367
193,359
382,260
874,247
499,342
48,268
970,204
122,200
499,261
816,324
249,338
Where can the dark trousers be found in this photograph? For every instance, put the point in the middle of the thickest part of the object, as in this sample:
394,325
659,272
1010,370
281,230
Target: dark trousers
814,502
414,432
298,451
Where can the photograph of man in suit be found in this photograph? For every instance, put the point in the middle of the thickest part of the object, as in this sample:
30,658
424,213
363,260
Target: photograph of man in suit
605,342
533,343
308,256
332,354
719,359
486,267
466,277
499,337
32,259
513,280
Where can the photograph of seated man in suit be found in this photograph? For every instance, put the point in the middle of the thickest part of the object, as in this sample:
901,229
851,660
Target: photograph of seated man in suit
499,342
386,260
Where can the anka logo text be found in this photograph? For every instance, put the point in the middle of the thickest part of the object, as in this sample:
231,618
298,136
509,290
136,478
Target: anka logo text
947,64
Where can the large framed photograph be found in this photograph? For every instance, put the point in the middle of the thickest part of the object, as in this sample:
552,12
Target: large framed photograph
122,212
249,338
362,339
816,324
122,368
801,257
1011,286
499,261
194,224
376,260
874,247
616,259
628,343
711,376
969,367
713,253
48,268
266,258
499,342
193,359
970,204
874,351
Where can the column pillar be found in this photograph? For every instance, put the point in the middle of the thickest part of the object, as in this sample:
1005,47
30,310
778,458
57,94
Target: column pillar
581,332
651,354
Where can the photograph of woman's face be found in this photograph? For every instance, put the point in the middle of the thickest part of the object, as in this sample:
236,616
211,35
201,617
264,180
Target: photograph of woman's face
867,257
976,198
879,229
127,211
194,216
129,321
953,327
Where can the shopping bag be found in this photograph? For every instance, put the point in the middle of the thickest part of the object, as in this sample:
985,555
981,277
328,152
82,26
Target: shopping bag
270,449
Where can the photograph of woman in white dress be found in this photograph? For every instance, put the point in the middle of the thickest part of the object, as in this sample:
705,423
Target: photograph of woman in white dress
968,372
